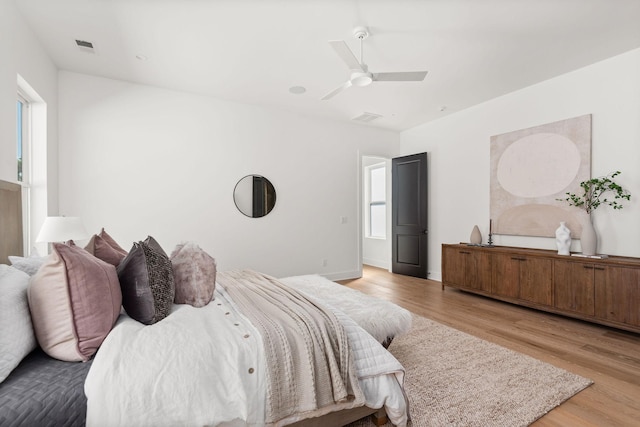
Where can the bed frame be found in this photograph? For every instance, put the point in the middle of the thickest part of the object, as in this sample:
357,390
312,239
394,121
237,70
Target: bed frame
346,416
12,244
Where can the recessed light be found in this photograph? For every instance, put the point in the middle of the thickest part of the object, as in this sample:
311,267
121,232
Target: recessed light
297,90
442,108
141,57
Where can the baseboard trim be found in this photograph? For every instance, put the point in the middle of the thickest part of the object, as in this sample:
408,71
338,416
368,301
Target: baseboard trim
376,263
435,275
356,274
344,275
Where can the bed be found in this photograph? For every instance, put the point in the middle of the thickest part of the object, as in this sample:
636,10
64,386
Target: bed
215,358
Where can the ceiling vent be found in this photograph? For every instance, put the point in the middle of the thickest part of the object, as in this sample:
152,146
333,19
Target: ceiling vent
85,46
366,117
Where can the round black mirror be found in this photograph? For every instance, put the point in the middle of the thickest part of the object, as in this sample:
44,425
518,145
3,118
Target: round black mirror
254,196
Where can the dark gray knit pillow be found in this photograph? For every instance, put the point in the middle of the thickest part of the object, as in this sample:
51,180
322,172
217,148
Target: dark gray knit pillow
146,280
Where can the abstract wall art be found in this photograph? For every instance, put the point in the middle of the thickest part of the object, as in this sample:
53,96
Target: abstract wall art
532,168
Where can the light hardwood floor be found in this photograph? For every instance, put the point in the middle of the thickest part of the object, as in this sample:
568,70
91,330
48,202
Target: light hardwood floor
610,357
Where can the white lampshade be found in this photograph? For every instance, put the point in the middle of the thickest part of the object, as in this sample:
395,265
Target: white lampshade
61,229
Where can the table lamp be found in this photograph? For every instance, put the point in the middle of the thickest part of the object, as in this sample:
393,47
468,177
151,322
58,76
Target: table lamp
61,229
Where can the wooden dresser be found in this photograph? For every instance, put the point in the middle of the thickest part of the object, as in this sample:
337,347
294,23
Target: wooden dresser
605,291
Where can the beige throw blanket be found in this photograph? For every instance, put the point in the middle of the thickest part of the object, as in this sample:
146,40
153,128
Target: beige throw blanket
310,366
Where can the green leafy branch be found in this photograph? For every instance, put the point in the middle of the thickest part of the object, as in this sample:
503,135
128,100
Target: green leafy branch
594,191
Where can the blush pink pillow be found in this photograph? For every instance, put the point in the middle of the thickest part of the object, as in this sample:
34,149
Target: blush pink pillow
194,274
75,300
104,247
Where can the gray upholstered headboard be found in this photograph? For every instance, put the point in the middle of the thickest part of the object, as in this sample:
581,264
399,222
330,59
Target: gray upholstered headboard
10,220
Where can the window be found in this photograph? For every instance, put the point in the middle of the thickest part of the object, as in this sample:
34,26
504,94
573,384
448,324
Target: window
31,160
20,107
377,201
23,137
23,151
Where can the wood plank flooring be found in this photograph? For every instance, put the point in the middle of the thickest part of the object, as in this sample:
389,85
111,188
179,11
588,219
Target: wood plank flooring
610,357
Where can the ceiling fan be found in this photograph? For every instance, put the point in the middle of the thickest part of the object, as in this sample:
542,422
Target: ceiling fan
359,74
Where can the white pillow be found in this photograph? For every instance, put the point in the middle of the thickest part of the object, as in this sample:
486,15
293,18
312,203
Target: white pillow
17,338
29,265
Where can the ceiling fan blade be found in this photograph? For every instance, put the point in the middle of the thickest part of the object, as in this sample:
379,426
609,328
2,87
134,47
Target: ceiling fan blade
408,76
345,53
345,85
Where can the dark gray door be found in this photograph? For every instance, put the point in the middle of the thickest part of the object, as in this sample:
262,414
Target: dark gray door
409,215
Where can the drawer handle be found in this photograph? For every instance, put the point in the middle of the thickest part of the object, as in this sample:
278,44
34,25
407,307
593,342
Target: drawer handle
518,259
598,268
465,252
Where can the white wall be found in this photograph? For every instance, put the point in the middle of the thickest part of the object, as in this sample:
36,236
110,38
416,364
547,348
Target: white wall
140,160
23,55
458,147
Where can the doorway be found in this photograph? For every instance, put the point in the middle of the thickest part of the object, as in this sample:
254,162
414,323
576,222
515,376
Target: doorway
376,211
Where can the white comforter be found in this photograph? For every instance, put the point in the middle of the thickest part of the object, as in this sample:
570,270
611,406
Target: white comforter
205,366
390,320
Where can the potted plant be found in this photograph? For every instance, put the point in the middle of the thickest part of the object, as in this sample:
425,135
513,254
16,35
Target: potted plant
596,192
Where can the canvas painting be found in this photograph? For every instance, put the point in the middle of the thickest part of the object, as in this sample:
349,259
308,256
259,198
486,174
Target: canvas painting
532,168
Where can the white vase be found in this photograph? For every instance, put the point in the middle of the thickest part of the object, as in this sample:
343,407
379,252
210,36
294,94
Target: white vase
588,239
476,237
563,239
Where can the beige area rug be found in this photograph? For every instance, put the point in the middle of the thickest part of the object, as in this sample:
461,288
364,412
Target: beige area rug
455,379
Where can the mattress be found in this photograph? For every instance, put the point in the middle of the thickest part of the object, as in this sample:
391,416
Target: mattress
43,391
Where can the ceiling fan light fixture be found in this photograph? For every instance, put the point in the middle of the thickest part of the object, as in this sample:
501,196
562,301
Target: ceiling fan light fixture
361,79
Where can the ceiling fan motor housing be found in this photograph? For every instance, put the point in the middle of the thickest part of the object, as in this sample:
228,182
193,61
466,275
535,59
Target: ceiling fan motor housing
361,78
361,33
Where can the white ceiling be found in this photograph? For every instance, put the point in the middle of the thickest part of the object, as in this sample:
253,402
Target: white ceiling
253,51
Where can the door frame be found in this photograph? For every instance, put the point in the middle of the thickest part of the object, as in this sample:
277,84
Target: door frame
361,199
